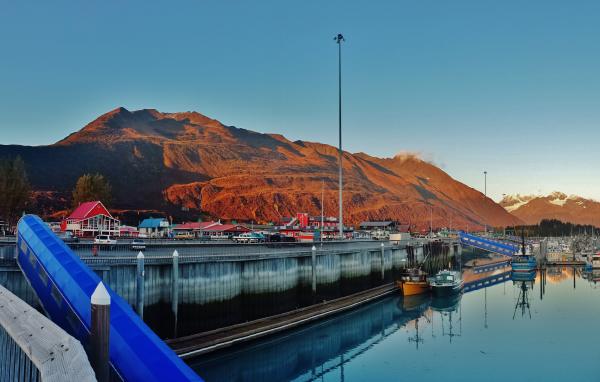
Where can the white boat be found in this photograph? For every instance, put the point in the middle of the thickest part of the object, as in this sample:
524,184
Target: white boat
596,261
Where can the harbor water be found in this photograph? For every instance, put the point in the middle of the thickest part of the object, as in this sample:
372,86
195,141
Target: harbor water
538,328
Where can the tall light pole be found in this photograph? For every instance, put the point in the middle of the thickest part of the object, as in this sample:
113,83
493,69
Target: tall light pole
485,194
338,39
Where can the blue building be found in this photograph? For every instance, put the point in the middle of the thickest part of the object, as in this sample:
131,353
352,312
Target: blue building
155,227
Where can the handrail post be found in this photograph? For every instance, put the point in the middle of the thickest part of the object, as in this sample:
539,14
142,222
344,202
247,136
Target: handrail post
139,296
100,333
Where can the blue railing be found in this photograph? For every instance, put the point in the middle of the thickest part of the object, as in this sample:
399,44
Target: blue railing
487,244
64,285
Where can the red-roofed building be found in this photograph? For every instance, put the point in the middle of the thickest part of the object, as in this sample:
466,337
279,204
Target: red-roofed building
193,228
224,231
90,219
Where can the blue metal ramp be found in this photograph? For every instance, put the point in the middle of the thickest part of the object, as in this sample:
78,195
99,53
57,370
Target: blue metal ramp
64,285
487,244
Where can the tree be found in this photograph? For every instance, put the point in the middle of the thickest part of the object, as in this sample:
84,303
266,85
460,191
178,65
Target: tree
14,189
91,187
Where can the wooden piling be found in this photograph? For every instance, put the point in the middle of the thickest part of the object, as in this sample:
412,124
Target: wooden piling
100,333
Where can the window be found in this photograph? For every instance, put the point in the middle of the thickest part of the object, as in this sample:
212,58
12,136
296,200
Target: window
56,295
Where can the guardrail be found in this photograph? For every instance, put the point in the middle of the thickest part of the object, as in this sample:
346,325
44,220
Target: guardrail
33,348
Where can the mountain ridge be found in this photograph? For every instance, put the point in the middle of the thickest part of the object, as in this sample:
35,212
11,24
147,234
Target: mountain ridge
175,160
556,205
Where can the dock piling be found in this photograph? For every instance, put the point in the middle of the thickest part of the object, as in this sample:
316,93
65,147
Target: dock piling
100,333
139,297
175,287
314,268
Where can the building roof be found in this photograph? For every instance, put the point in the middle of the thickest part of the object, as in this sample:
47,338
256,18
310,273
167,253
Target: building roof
376,224
151,223
226,228
88,209
196,226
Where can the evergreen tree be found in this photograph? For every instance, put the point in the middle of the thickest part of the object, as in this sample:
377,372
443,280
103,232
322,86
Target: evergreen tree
91,187
14,189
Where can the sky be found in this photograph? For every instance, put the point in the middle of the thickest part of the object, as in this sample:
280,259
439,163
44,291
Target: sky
507,87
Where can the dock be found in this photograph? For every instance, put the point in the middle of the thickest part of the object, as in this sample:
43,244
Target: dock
202,343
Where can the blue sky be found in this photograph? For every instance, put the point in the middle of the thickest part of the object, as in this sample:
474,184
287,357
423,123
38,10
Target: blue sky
510,87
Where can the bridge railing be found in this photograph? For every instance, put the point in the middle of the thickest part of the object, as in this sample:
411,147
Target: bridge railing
33,348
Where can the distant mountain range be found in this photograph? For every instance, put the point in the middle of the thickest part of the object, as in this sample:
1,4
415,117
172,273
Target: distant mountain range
164,161
557,205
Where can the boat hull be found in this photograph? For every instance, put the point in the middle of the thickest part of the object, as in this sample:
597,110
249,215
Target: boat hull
447,290
524,266
411,288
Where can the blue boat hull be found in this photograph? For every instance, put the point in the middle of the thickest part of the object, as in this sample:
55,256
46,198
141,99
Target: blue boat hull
524,265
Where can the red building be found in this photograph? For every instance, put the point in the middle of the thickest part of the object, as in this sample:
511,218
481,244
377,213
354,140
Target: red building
91,219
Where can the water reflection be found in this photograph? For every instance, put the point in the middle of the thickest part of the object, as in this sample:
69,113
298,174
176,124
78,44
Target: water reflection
423,337
524,281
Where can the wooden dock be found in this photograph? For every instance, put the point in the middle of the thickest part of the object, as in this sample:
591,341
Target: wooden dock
202,343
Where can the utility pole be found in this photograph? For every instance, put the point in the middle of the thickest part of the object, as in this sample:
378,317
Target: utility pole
485,194
322,209
338,39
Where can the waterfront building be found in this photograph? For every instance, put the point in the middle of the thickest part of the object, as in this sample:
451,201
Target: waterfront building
224,231
91,219
195,229
128,231
155,227
304,227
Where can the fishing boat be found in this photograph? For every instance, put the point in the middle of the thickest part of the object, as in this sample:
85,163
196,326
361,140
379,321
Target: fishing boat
413,282
596,261
446,283
523,261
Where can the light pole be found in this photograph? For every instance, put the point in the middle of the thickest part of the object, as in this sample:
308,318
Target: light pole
338,39
485,194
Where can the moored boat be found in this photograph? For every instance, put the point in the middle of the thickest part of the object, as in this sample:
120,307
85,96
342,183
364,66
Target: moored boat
413,282
446,283
523,261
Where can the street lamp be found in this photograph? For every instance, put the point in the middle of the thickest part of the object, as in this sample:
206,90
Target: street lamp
338,39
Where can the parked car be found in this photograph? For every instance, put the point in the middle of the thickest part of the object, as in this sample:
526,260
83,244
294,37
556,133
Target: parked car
183,235
138,244
104,239
249,237
68,237
281,238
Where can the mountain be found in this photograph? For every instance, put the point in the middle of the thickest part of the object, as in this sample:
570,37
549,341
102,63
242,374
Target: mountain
160,160
557,205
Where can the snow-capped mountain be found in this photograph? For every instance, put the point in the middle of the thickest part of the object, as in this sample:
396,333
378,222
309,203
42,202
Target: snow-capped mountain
557,205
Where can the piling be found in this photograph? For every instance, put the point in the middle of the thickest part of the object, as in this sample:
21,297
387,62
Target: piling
175,288
314,268
139,296
382,261
100,333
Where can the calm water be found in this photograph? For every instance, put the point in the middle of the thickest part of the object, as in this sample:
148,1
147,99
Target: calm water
488,334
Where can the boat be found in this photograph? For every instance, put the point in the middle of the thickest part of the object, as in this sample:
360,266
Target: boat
596,261
446,283
413,282
523,261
